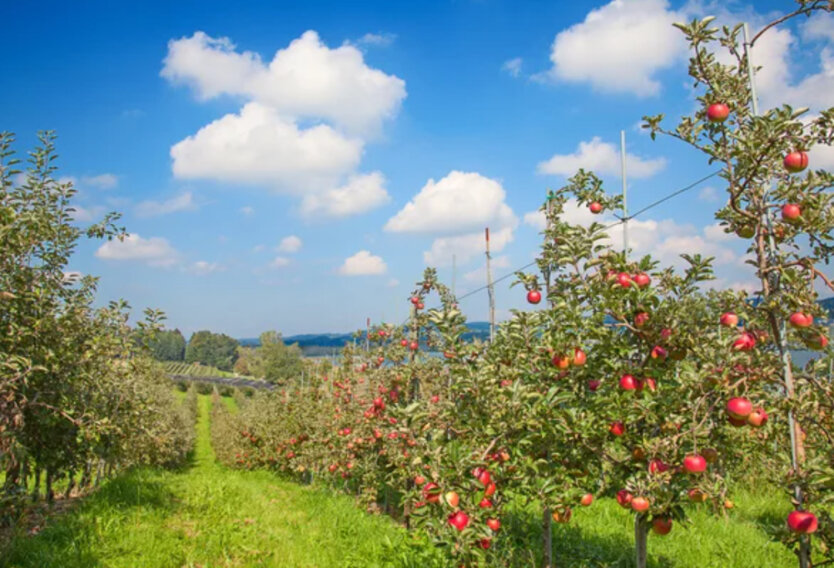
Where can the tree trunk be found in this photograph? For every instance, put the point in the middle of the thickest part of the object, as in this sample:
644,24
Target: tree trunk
70,484
641,531
86,477
50,495
36,490
547,539
805,552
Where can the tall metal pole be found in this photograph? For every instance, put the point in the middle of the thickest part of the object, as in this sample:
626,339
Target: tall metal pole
368,334
625,186
490,290
781,340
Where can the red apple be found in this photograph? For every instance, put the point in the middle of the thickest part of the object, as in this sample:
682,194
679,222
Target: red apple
737,422
490,489
485,503
718,112
697,496
796,162
798,319
661,525
484,477
593,384
791,212
640,504
561,361
586,500
623,279
534,296
729,319
459,520
624,498
415,300
816,341
579,357
739,408
617,428
659,352
431,492
647,383
628,382
640,319
562,516
695,463
757,418
642,279
657,466
404,343
452,498
802,522
414,346
493,524
595,207
484,543
744,342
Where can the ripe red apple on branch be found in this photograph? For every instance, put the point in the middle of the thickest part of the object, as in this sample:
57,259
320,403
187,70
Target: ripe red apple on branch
718,112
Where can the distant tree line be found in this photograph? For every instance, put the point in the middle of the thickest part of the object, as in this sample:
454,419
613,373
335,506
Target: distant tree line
273,360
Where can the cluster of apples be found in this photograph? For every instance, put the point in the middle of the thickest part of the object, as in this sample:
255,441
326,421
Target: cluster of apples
794,162
741,412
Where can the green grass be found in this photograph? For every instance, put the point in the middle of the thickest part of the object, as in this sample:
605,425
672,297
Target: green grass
209,516
194,369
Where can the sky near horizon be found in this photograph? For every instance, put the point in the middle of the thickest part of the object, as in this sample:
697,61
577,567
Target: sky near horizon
295,166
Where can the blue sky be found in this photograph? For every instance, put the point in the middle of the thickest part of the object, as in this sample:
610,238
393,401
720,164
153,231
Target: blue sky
294,166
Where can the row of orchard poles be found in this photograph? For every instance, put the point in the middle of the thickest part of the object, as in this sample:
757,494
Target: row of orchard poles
781,335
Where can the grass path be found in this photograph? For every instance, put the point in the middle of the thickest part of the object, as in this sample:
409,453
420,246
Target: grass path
209,516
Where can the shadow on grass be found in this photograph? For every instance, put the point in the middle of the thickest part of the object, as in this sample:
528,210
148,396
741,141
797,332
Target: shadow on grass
572,547
70,540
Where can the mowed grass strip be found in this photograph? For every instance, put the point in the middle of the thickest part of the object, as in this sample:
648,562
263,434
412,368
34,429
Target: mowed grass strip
210,516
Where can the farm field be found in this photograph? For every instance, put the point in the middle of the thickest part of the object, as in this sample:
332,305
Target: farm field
208,515
194,370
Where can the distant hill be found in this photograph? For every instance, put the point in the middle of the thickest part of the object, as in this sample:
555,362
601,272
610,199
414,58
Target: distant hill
327,343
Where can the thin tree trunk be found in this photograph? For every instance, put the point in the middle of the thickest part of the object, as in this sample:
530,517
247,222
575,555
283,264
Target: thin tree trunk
547,538
36,490
50,495
641,531
70,484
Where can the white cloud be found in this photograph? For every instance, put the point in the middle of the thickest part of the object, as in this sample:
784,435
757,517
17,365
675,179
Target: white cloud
155,251
379,40
247,210
361,193
819,26
716,233
363,263
183,202
202,267
289,244
460,202
619,47
466,247
86,215
512,66
306,79
279,262
573,213
260,146
601,157
393,283
101,181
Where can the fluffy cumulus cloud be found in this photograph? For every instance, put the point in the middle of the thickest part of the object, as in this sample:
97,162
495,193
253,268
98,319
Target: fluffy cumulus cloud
260,146
82,214
664,239
306,79
154,251
268,142
601,157
455,210
619,47
460,202
182,202
290,244
363,263
361,193
279,262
